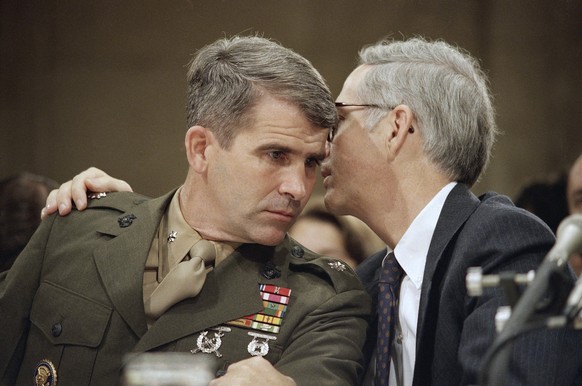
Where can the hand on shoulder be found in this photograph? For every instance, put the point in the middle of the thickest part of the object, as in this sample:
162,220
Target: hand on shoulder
90,180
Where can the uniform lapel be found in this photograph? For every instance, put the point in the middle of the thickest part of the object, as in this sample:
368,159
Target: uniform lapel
121,261
459,205
231,291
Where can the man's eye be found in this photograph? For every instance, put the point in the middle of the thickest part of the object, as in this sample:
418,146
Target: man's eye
312,162
276,155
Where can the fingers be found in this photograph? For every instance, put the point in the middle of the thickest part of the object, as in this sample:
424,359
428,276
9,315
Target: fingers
63,197
92,179
79,188
107,184
58,199
51,204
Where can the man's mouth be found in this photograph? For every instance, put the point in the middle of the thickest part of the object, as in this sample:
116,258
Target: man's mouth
283,214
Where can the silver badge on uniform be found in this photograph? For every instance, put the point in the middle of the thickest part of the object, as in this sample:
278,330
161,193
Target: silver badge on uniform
337,265
97,196
210,345
259,347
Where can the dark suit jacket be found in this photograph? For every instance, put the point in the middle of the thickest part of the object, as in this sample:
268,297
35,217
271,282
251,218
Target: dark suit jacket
74,296
454,330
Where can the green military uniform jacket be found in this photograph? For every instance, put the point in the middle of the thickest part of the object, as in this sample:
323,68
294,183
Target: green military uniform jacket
74,297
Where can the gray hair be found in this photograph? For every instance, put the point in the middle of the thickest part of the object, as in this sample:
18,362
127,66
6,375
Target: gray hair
448,94
227,77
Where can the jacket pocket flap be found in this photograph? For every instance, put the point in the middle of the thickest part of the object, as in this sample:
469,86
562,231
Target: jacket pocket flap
66,317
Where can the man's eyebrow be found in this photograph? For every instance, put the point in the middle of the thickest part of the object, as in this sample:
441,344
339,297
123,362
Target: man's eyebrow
275,146
286,149
318,156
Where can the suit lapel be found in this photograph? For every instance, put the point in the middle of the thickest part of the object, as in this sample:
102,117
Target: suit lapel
459,205
120,262
231,291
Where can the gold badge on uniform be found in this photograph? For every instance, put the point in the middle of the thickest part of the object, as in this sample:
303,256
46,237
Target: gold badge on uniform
45,373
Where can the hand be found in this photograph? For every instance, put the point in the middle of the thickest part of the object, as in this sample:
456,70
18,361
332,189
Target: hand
255,371
93,180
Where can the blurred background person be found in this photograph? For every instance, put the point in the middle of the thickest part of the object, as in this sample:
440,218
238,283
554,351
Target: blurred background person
574,197
574,187
342,237
22,196
546,199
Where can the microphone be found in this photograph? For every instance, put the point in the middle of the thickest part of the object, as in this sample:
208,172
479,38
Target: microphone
568,240
571,244
168,369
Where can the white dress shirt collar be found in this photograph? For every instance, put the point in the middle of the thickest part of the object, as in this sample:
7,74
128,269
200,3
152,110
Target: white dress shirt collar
412,249
411,252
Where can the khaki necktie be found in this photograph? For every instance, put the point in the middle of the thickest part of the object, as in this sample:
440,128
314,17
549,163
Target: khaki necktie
184,281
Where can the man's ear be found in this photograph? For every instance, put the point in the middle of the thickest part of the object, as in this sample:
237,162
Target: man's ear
197,140
401,120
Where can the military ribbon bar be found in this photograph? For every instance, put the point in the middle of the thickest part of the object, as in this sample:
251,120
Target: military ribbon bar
274,309
275,303
264,319
273,289
275,298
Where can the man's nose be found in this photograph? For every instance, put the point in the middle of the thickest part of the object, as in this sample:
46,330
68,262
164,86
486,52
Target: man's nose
295,184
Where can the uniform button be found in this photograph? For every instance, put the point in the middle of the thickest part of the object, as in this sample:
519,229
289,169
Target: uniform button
270,271
297,251
57,329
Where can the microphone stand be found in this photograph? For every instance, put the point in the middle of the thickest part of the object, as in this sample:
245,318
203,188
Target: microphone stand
530,312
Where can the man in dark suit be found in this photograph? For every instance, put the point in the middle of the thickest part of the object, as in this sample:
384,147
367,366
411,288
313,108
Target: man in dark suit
415,132
96,285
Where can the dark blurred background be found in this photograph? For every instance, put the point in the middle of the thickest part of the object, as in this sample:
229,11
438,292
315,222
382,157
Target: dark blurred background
103,82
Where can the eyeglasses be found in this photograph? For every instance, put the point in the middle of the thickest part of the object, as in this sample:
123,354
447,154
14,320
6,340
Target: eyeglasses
333,130
342,104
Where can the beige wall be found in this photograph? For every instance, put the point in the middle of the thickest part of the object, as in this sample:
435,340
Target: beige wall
102,82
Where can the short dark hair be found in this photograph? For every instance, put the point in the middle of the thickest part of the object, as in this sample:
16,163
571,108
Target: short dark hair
227,77
546,199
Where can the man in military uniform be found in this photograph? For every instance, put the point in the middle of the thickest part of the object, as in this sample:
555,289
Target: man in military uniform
96,285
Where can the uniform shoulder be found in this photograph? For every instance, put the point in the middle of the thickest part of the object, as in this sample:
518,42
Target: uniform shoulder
341,276
120,201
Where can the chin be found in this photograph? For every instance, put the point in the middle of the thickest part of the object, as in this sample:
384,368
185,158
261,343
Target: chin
335,205
271,238
330,201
